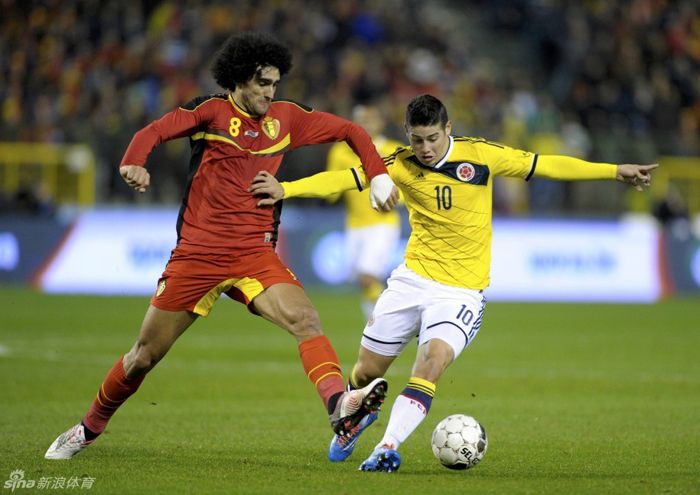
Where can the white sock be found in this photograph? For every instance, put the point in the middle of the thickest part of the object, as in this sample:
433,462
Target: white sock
406,415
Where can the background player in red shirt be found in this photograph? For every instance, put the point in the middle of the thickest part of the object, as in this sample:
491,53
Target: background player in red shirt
225,242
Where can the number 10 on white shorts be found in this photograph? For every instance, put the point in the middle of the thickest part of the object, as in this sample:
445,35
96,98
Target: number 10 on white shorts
414,306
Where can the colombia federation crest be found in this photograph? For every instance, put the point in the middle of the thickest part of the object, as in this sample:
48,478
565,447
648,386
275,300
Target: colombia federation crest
465,172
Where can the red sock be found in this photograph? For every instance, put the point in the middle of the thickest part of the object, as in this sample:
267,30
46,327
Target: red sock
321,365
112,394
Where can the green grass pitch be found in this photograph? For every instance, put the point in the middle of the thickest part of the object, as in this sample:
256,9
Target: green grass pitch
574,398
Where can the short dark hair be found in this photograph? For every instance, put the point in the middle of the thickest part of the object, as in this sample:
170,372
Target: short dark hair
426,110
243,55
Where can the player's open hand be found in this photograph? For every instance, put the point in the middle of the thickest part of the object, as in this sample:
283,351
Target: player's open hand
136,177
636,174
265,184
383,193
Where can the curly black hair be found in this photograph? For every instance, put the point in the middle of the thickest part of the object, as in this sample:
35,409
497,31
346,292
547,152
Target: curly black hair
243,55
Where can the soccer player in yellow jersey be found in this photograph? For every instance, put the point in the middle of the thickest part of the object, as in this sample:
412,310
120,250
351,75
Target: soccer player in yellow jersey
367,230
437,294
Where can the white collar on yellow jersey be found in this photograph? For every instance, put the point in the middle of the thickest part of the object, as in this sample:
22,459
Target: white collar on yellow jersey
449,152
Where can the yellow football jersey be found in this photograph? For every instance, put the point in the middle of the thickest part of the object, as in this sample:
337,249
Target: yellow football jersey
359,210
450,207
450,203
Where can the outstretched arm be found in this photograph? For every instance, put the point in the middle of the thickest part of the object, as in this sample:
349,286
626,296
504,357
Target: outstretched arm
568,168
321,185
320,127
184,121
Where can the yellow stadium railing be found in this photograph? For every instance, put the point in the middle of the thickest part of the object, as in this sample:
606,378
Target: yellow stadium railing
683,174
66,172
678,176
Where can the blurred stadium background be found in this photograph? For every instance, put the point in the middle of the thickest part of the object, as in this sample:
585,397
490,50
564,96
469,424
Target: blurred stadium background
595,398
615,81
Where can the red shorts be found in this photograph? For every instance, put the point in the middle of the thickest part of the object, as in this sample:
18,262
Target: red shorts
194,282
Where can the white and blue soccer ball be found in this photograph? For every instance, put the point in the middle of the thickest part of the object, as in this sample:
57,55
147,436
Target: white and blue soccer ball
459,442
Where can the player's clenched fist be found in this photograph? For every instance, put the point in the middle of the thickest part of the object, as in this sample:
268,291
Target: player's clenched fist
136,177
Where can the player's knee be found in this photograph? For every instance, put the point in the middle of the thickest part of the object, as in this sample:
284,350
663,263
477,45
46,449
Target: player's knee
142,359
432,362
304,322
363,375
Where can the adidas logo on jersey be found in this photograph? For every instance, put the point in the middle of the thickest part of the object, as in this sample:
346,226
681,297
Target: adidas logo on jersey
420,176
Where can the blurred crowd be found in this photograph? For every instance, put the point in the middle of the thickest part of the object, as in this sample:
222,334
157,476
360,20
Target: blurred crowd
622,65
580,74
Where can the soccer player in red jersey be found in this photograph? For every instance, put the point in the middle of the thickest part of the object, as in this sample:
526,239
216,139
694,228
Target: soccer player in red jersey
225,242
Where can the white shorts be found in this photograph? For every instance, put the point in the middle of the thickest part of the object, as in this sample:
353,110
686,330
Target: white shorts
414,306
372,249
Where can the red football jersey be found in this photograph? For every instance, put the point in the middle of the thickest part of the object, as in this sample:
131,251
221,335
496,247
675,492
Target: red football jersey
229,147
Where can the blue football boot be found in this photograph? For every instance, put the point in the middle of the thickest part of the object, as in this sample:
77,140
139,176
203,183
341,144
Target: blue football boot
383,459
342,446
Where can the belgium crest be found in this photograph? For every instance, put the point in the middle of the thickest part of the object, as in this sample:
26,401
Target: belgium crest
161,288
271,127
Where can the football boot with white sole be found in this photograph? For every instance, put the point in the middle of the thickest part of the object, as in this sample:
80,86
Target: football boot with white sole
68,444
354,405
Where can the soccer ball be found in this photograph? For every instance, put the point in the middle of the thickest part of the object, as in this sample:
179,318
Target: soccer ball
459,442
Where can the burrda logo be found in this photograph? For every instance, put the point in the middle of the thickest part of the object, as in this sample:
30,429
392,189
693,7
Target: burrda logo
17,481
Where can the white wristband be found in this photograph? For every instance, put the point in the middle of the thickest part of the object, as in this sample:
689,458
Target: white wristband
380,189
